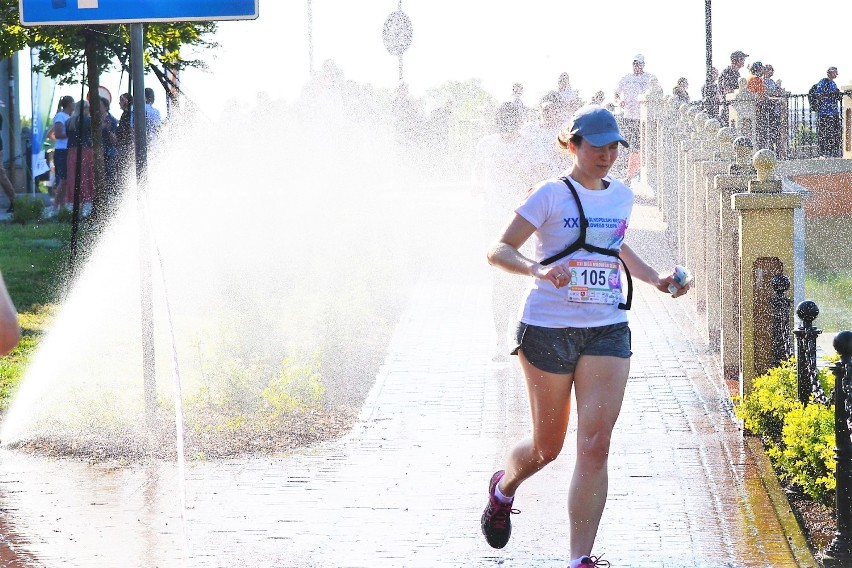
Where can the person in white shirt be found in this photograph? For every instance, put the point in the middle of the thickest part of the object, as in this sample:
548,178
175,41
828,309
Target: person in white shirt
627,93
545,158
518,100
573,329
152,115
502,176
60,149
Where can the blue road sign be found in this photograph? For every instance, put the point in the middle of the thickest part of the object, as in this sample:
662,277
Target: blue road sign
64,12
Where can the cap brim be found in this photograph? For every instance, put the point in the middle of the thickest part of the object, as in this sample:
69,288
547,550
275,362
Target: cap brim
605,139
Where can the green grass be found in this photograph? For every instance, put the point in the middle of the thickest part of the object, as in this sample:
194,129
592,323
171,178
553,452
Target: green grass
34,261
832,292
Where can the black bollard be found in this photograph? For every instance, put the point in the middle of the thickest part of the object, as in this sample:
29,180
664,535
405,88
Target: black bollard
839,552
806,366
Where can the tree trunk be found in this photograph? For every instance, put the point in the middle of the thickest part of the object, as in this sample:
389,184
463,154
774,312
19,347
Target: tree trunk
95,107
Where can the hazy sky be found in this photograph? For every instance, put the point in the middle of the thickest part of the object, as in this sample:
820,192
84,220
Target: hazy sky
531,43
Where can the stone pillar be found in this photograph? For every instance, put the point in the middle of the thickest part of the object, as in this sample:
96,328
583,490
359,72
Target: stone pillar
766,223
743,111
686,144
699,152
707,274
846,112
666,168
651,109
725,186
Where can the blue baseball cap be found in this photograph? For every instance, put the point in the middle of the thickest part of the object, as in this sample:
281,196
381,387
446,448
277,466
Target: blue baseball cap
596,125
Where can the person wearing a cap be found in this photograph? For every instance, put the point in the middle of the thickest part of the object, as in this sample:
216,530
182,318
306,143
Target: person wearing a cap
573,333
627,93
729,80
828,115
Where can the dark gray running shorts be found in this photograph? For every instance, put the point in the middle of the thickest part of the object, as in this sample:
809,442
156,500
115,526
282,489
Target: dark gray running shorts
556,350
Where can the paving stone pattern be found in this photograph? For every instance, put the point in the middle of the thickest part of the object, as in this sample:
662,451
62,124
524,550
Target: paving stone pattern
407,486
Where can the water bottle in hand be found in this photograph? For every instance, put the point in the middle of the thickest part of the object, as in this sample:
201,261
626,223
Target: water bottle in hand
682,276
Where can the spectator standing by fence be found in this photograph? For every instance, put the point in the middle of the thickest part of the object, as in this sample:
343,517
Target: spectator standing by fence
729,81
828,113
710,94
777,112
681,90
757,86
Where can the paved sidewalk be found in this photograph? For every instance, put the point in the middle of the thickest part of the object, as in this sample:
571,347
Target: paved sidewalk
406,488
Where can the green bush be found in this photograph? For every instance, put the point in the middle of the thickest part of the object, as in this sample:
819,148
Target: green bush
773,396
298,387
799,439
27,210
63,215
807,458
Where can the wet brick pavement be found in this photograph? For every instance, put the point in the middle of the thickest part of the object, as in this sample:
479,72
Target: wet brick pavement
406,487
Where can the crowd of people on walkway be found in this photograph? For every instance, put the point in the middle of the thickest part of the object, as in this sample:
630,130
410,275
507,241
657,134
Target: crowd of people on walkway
73,159
772,108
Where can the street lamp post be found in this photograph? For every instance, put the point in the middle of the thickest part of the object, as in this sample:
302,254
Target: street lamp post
708,34
310,39
397,35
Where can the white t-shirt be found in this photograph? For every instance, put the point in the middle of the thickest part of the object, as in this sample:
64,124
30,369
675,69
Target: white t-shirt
551,208
61,143
153,121
544,156
501,169
629,89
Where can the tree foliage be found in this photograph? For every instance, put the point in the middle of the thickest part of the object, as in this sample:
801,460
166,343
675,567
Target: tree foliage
62,48
64,51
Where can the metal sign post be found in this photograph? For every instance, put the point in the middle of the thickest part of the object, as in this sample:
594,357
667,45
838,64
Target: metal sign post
135,12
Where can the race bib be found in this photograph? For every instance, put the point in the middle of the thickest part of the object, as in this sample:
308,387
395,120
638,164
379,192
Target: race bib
594,281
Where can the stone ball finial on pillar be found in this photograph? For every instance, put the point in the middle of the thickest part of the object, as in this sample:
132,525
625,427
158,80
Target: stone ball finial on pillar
742,157
712,126
698,121
726,136
764,162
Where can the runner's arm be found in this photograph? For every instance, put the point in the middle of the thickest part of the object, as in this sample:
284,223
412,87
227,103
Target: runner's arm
10,329
643,271
505,253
